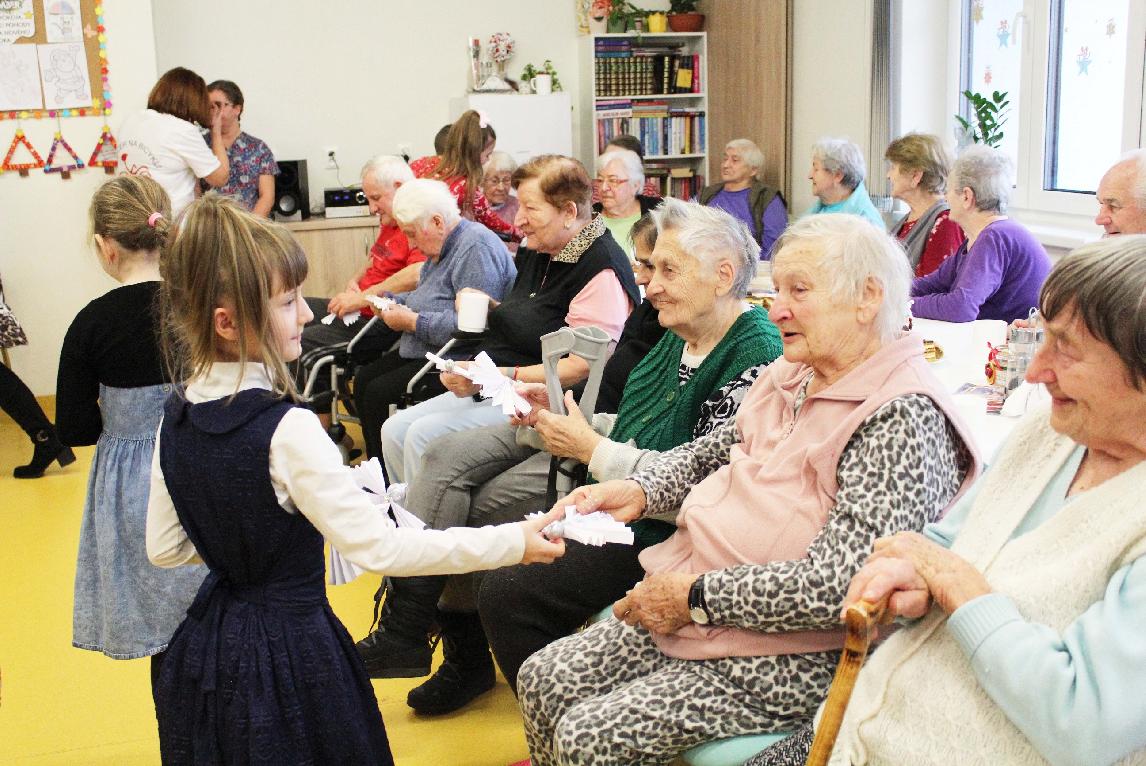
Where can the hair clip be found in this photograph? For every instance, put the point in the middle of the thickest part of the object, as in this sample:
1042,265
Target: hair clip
483,120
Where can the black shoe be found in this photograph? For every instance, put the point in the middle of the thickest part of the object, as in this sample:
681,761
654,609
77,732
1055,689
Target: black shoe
466,673
390,655
401,646
48,448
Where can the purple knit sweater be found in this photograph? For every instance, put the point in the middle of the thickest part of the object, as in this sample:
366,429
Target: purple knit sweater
999,277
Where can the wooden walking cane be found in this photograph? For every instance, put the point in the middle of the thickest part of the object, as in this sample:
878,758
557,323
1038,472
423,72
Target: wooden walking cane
860,620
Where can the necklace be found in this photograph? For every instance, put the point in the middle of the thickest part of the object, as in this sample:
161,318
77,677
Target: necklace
544,277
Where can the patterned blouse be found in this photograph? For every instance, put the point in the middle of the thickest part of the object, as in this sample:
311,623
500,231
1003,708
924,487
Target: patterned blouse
249,158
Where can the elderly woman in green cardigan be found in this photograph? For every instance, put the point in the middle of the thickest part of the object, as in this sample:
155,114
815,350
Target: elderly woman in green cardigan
688,383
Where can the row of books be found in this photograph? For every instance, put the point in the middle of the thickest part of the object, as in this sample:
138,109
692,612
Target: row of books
647,75
662,130
679,182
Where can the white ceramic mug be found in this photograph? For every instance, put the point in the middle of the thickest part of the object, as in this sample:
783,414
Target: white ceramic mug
472,310
542,84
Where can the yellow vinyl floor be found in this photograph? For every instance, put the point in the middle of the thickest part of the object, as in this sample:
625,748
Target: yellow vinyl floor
60,705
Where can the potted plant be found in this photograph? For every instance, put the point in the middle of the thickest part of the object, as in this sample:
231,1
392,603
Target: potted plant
620,13
683,16
989,118
530,72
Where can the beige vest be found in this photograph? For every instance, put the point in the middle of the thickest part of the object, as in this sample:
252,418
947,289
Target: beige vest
917,700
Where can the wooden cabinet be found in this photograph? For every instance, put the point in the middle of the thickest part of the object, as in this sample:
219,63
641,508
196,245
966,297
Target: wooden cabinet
336,250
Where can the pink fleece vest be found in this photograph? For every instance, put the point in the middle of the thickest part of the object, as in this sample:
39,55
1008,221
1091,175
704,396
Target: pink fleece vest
773,497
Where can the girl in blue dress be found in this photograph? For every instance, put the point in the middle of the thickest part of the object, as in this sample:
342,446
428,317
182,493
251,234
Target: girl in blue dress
261,670
110,392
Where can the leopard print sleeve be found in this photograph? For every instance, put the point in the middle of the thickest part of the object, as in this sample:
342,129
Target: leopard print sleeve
667,479
900,468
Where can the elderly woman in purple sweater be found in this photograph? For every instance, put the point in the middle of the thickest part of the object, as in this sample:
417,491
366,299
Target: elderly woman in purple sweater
997,272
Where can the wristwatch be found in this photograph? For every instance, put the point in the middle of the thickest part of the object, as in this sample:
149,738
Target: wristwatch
697,609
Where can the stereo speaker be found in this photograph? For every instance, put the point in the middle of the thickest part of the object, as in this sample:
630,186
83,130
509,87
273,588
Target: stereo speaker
292,194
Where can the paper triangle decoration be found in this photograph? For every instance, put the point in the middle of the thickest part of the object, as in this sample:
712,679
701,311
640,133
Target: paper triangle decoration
22,167
65,171
106,152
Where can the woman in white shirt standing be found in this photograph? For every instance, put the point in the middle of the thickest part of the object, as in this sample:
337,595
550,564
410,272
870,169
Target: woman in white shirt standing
164,140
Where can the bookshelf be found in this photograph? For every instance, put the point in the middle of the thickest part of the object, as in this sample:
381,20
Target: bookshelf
655,87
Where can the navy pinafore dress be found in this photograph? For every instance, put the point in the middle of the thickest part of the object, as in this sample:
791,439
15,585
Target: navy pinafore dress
260,670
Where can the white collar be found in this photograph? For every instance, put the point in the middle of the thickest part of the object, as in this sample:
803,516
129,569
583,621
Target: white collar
226,378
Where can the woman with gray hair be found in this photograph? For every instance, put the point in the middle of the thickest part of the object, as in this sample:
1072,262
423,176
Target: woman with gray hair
741,194
620,178
734,629
997,272
459,254
837,176
689,381
1027,597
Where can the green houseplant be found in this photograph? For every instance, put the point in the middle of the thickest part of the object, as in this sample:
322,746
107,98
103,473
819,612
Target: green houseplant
989,115
683,16
530,71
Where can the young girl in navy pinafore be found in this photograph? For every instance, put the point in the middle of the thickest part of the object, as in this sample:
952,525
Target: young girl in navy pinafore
261,671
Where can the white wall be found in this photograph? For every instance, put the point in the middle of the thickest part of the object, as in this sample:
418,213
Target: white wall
363,76
48,268
831,82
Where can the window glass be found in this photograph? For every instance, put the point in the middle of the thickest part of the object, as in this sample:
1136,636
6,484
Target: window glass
993,61
1086,91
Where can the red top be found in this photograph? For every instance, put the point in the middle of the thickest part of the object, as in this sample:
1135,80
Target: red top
424,167
389,254
945,238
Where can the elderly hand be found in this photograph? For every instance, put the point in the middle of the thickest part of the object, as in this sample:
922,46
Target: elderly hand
459,385
914,571
623,499
347,301
568,435
399,318
659,602
537,394
539,549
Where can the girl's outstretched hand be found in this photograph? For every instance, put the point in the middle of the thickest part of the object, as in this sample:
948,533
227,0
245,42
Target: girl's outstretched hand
539,549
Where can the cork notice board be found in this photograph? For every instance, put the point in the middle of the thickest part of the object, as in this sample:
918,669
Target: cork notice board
53,59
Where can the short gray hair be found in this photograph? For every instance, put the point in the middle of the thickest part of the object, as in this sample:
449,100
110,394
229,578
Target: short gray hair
1104,285
988,172
499,162
631,161
709,234
1138,157
388,170
839,155
419,200
851,250
748,151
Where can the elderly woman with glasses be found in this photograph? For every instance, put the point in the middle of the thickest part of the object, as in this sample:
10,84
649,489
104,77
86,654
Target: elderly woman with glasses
997,272
496,183
734,629
837,177
1028,600
620,176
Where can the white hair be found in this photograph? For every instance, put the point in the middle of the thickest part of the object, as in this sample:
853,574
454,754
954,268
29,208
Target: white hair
710,235
417,201
1138,188
988,172
630,160
748,151
851,251
839,155
499,162
388,170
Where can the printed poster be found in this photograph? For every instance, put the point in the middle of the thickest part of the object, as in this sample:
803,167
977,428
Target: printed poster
17,19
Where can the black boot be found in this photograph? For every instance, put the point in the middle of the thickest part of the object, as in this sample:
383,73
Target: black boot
400,646
48,448
466,673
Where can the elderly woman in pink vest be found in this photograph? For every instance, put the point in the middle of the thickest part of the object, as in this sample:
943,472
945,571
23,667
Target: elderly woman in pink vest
1031,594
735,627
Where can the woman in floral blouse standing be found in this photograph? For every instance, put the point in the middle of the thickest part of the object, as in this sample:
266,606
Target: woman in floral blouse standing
253,167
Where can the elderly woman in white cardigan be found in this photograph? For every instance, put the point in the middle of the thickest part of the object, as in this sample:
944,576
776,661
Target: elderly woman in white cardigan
1031,594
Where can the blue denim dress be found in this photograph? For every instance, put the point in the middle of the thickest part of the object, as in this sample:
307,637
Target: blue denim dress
125,606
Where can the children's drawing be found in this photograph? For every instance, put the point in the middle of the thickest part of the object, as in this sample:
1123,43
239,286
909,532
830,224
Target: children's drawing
17,19
19,78
63,71
62,21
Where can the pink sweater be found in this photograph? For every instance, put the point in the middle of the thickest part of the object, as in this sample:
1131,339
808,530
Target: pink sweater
773,497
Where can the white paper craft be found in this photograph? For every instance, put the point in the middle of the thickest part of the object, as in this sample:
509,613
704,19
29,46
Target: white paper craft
347,319
379,303
369,476
494,386
595,528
